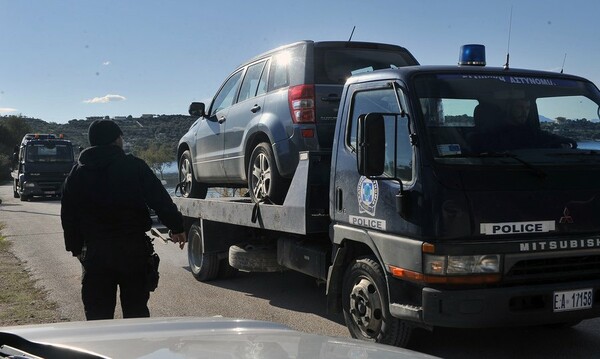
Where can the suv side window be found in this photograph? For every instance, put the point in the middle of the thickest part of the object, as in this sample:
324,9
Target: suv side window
227,93
251,81
262,85
279,77
383,100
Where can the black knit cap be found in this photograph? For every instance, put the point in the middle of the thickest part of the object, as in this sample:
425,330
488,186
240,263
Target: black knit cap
103,132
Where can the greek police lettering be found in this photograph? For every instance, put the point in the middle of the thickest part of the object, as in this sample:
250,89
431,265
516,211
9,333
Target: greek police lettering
484,77
531,81
368,222
517,227
553,245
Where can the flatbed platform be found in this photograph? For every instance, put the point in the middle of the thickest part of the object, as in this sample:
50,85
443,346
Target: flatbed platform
304,211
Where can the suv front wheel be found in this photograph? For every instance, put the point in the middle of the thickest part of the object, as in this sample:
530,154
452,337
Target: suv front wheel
264,181
189,187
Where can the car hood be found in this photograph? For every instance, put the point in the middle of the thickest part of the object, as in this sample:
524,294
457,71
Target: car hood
189,337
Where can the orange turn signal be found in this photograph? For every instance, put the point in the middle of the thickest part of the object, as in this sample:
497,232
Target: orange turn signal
432,279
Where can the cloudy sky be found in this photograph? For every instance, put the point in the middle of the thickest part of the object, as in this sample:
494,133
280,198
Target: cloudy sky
63,60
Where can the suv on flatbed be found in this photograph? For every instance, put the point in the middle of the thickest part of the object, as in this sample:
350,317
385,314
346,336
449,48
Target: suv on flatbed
270,108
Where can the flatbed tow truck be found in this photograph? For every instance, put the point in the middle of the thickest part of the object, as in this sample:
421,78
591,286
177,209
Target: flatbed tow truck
413,223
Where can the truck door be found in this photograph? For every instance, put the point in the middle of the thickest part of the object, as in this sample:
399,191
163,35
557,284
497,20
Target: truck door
360,201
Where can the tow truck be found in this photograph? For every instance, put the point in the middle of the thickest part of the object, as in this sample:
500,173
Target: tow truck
430,210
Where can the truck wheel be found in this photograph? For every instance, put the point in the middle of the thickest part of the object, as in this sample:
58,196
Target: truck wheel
264,180
254,258
189,188
204,266
365,304
15,193
24,198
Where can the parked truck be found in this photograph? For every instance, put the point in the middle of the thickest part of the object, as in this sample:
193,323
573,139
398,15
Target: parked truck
41,163
453,196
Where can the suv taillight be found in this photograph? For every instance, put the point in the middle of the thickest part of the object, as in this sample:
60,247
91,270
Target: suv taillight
302,103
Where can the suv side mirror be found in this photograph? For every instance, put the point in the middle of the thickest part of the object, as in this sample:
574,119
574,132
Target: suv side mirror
197,109
371,145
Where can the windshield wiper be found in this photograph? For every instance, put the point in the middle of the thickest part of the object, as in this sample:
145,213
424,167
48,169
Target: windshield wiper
576,153
538,172
490,154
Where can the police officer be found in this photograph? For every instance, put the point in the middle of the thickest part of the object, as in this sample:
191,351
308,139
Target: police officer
105,216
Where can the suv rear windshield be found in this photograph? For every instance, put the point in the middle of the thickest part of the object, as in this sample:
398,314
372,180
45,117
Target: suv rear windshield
335,65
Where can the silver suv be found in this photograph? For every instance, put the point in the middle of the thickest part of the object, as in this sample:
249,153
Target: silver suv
270,108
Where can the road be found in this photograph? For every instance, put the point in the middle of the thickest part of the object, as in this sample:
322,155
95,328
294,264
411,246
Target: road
288,297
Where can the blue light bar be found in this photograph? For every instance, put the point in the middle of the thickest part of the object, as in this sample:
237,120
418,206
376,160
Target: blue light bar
472,55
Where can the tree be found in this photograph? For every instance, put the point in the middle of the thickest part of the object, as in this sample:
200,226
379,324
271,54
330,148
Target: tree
12,130
156,156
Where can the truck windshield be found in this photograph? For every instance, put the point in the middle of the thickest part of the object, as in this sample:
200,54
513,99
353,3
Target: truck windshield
48,152
472,118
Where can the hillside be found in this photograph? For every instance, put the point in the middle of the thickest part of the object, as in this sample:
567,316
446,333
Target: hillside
137,132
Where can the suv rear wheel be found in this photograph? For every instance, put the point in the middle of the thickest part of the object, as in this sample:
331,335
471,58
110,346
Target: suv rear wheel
189,188
264,181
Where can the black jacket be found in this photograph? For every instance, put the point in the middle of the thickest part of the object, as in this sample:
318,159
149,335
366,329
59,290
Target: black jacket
106,196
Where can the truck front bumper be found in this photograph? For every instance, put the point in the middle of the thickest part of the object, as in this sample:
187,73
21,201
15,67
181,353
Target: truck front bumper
41,189
508,306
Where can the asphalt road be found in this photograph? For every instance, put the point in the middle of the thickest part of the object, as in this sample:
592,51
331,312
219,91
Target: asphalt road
289,298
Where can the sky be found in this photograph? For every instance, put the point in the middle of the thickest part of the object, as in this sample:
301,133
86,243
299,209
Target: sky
64,60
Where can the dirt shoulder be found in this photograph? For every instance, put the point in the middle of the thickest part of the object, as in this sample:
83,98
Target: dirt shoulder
21,301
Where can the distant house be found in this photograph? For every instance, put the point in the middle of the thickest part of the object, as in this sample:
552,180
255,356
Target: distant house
147,115
118,118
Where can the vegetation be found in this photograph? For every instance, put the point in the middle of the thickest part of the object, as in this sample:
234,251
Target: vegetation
157,156
12,130
152,138
21,302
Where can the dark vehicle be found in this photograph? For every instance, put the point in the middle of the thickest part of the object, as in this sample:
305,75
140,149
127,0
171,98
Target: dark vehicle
270,108
454,196
41,164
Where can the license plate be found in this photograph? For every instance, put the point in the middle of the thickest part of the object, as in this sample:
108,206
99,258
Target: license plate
573,300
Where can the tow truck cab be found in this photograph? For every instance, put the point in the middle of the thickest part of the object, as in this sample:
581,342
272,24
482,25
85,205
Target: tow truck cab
477,192
41,164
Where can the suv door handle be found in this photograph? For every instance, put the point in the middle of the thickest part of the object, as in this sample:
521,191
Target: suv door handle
221,119
255,109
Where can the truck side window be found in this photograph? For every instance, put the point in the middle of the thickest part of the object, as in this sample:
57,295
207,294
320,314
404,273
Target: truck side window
384,101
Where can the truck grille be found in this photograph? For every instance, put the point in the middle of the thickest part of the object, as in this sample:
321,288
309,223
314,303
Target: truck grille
50,186
563,268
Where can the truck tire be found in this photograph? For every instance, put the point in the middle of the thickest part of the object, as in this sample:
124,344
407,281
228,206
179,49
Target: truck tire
24,198
254,258
204,266
189,188
365,305
264,181
15,193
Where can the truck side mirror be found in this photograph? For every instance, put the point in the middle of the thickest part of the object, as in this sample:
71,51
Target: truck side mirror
371,145
197,109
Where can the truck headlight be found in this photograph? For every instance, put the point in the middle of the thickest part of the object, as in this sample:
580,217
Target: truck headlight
29,184
461,265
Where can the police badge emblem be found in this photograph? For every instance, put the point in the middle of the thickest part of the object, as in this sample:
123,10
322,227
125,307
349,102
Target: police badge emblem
367,193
